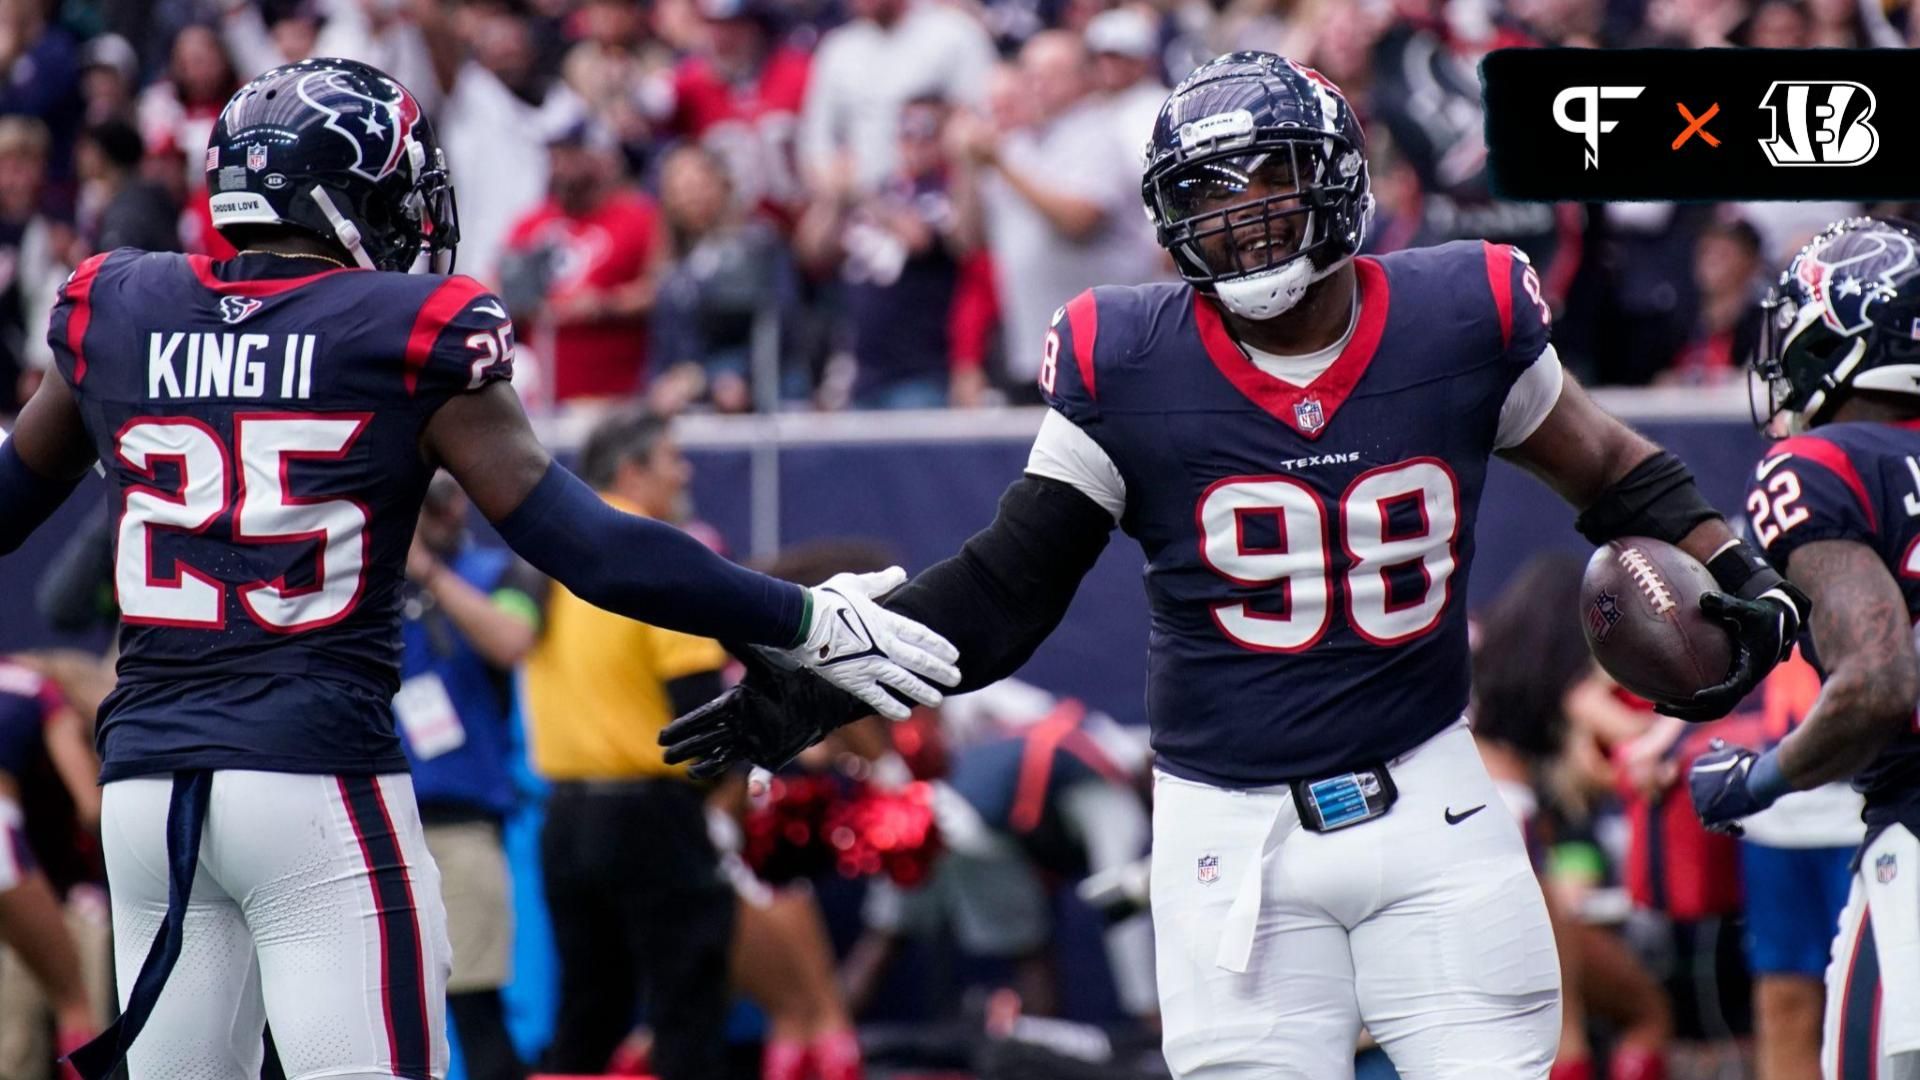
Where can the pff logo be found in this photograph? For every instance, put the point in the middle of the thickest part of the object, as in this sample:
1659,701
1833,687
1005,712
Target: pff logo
1819,123
1588,125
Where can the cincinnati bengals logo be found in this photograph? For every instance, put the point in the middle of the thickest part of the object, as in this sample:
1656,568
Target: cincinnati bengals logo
379,129
1819,123
1852,272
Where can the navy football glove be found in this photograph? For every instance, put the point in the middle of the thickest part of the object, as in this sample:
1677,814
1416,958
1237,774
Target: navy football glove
1731,782
766,720
1764,616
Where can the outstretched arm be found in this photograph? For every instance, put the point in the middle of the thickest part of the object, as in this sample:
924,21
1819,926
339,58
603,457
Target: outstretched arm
627,564
41,461
1011,583
996,600
1624,485
657,574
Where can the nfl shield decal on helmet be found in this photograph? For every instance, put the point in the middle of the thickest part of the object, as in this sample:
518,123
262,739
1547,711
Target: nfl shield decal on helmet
1308,416
1885,867
256,156
1209,869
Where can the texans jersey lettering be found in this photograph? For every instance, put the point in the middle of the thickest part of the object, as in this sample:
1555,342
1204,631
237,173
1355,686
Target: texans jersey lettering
1859,482
259,423
1306,546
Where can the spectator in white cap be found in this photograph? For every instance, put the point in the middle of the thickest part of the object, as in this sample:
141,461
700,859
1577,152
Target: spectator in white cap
1125,45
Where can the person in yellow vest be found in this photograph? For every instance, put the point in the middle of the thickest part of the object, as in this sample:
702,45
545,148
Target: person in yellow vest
640,909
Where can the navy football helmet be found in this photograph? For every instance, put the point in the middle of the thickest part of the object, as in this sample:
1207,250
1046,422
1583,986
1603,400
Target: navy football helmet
1256,181
338,149
1844,316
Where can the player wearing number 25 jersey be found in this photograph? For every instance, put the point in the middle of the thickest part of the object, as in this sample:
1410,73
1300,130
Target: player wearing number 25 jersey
1297,439
1837,508
268,426
260,419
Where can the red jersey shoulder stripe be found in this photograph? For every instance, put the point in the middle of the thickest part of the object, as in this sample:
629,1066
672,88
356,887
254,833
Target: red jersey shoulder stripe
445,302
1500,279
1083,316
78,291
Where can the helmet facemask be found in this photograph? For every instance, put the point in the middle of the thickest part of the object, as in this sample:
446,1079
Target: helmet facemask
1256,226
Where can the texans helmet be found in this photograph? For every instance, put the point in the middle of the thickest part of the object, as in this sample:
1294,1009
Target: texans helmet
1256,181
340,150
1844,316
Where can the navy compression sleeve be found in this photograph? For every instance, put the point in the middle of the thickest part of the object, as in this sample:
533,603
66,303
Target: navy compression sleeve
27,499
646,570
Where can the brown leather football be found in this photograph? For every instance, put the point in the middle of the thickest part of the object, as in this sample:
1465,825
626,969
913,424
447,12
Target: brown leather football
1640,607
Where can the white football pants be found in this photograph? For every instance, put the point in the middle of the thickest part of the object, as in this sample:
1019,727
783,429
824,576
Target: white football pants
315,906
1872,1029
1275,944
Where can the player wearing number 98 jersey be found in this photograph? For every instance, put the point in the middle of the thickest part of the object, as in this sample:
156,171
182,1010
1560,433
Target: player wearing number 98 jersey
268,426
1297,439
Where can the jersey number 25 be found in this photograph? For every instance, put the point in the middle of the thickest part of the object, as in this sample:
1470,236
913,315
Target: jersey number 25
266,446
1300,561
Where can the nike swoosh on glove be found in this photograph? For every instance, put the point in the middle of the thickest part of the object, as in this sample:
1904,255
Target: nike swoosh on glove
866,650
1723,787
1763,620
767,719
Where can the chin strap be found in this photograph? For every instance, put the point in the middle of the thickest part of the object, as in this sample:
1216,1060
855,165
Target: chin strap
345,231
1272,293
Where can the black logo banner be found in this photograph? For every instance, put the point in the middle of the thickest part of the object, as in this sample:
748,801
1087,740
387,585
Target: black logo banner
1699,124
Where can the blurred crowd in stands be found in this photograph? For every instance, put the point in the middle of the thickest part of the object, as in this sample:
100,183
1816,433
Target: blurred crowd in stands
759,204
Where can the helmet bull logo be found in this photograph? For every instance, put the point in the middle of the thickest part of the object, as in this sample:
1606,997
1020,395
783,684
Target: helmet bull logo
379,129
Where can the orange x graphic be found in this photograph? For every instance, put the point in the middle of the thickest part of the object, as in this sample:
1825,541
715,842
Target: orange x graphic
1697,125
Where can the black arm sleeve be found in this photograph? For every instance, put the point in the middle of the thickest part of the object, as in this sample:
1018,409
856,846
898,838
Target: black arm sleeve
1009,586
648,571
1657,498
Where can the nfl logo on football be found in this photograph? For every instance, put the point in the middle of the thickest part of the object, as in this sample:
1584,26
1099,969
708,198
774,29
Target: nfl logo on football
1308,415
256,157
1209,869
1884,868
1601,615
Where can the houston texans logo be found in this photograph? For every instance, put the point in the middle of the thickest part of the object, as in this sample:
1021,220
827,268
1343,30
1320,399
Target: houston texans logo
235,308
380,130
1852,273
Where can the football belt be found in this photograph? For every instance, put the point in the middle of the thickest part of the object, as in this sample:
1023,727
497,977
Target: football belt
1339,802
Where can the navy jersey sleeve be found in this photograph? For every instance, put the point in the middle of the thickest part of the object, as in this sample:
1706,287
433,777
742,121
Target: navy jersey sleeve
1067,377
461,340
1808,488
72,315
1525,322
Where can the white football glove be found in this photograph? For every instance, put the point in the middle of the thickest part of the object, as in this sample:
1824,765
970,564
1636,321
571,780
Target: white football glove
863,648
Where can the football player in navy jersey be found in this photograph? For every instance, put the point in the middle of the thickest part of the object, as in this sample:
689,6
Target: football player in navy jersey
268,426
1297,438
1837,508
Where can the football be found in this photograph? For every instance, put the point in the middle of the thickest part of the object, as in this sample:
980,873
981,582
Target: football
1640,608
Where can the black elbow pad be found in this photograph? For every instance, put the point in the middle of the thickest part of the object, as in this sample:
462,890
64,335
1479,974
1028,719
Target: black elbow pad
1657,499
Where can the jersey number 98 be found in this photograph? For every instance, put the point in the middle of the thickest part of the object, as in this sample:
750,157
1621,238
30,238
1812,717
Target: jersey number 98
1300,563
